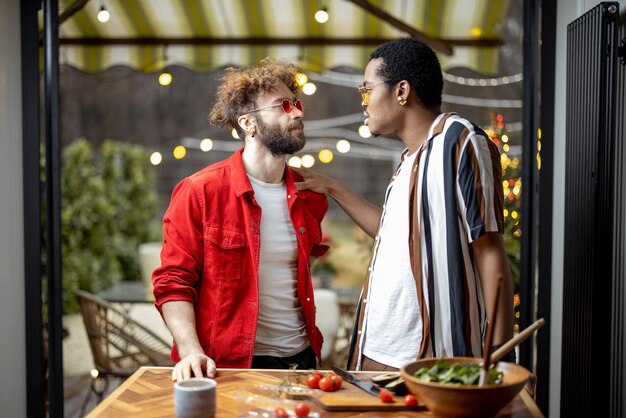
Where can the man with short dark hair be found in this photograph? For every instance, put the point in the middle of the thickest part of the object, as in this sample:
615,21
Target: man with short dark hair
234,286
438,253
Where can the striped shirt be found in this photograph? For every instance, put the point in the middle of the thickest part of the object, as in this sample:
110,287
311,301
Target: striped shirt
455,196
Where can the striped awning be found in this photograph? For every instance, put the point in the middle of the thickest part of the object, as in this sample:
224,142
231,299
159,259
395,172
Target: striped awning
203,35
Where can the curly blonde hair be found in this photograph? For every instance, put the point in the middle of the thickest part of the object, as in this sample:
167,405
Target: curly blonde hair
241,86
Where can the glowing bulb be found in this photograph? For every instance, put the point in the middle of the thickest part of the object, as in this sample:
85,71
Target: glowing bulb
308,161
309,89
476,32
94,373
103,15
505,147
156,158
180,152
364,131
505,138
295,161
325,156
302,79
538,161
234,133
165,78
514,215
206,144
343,146
321,15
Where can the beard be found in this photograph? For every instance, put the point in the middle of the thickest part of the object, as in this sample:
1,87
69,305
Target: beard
278,140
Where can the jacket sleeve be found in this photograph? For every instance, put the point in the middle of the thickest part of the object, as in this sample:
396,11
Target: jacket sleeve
321,206
182,253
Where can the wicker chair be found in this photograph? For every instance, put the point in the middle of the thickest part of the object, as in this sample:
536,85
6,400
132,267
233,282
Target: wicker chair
119,344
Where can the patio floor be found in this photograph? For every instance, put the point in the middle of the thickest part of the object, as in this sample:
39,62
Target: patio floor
78,362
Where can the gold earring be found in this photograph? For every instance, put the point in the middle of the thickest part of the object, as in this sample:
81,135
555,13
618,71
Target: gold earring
401,101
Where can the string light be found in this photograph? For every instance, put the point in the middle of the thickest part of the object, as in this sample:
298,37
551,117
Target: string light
165,79
156,158
493,81
343,146
180,152
295,161
322,15
206,144
309,89
308,161
325,156
302,79
103,15
364,131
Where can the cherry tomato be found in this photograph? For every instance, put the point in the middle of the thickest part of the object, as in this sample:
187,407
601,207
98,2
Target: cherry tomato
281,413
385,396
302,410
337,381
330,382
410,400
313,381
326,384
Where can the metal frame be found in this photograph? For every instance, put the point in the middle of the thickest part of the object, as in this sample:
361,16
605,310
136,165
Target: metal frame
35,367
536,257
53,208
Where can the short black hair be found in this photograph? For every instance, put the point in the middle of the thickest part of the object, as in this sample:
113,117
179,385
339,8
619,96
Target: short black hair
411,60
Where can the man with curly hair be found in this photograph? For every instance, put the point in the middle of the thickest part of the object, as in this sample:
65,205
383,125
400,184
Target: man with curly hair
234,286
438,254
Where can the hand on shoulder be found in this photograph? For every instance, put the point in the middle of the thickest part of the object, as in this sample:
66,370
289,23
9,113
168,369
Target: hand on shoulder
313,181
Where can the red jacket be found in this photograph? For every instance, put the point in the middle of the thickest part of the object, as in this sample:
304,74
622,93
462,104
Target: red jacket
210,257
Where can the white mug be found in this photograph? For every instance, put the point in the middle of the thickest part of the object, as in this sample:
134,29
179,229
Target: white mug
195,398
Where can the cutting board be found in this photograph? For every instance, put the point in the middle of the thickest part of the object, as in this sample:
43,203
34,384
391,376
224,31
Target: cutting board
267,384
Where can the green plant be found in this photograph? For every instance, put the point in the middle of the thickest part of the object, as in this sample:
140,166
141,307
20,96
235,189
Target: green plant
512,188
108,207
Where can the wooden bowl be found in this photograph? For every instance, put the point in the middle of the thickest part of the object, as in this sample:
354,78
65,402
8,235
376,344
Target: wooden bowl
465,400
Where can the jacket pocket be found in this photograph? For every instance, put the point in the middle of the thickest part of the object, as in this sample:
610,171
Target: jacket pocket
223,252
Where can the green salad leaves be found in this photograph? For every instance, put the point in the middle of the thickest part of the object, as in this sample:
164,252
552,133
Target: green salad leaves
457,374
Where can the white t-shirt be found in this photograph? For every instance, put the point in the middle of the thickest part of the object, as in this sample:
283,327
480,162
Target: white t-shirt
392,307
281,329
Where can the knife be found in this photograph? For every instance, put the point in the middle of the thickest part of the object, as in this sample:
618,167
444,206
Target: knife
368,387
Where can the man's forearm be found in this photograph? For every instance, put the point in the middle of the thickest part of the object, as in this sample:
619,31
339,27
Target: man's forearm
492,264
364,214
180,318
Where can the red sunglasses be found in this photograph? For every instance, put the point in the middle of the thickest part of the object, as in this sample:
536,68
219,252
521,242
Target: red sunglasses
286,104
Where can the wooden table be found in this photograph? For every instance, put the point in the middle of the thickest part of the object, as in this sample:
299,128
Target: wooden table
149,393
